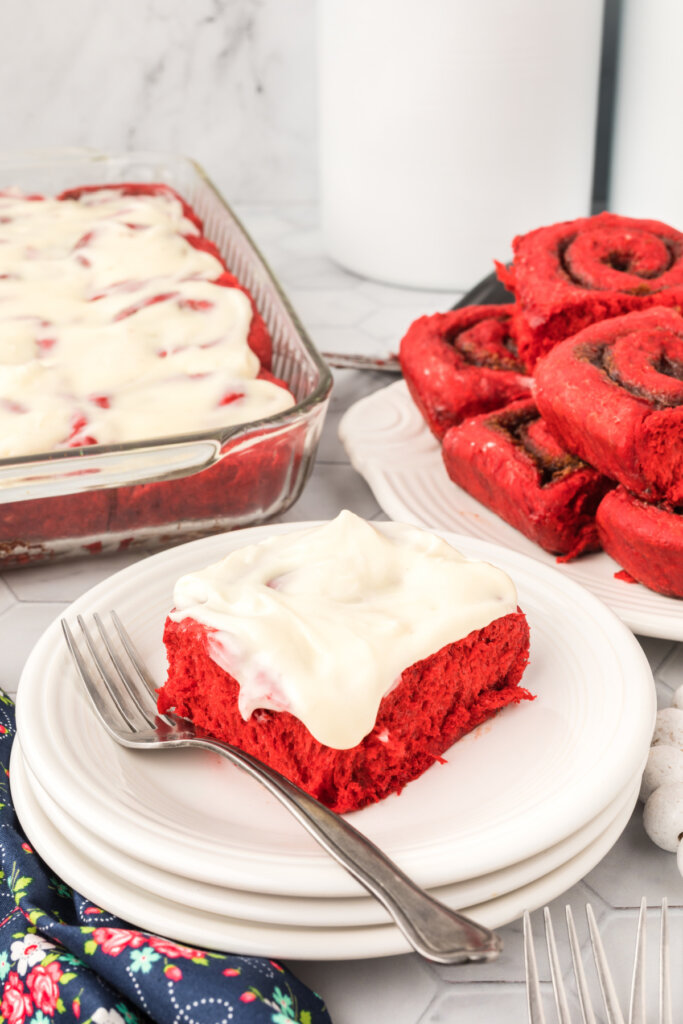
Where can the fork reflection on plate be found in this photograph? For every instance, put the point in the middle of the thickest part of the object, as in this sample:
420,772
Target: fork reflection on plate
122,693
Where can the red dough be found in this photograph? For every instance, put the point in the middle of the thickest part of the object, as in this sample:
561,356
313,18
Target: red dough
569,275
437,701
26,526
613,394
248,482
510,462
462,363
646,539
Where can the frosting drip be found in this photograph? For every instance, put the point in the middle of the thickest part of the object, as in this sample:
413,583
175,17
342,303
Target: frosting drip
322,622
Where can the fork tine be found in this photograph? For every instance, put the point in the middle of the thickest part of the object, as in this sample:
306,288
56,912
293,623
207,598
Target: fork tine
102,706
637,1011
133,654
555,971
533,989
150,686
104,672
141,697
609,996
579,973
665,1006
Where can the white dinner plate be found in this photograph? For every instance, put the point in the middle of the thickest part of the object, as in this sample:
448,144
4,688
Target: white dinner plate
310,911
389,443
205,930
520,783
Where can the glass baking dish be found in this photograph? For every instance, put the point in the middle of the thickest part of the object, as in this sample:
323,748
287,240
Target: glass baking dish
161,492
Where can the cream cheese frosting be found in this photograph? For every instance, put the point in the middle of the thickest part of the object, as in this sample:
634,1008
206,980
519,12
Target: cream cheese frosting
321,622
112,328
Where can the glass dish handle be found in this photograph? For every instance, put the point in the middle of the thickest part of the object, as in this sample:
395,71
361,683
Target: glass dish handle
52,475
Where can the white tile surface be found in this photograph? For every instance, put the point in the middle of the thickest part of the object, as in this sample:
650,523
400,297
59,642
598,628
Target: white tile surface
342,310
43,583
20,627
396,989
471,1005
322,306
349,386
670,671
331,488
6,596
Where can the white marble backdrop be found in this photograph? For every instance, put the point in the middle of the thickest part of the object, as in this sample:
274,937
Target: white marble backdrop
228,82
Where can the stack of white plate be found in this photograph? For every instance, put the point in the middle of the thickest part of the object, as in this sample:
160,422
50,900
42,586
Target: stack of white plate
182,843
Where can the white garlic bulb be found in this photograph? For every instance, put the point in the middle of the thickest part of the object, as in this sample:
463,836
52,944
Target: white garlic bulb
664,764
663,816
661,786
669,727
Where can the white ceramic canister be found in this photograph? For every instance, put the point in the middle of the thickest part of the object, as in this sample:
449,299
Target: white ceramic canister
446,127
647,144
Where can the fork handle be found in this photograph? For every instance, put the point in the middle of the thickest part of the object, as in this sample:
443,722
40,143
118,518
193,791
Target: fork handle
432,929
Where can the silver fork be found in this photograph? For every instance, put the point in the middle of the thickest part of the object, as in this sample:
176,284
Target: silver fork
613,1014
122,692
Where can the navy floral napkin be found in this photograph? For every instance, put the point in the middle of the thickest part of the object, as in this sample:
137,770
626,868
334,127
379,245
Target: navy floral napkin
64,959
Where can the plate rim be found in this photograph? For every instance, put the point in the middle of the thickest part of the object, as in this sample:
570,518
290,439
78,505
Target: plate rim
663,625
497,883
364,942
337,878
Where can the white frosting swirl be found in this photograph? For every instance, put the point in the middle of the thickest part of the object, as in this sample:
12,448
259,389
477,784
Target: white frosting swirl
112,328
321,622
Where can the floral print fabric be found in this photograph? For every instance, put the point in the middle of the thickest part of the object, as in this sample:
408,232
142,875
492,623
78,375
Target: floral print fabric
64,959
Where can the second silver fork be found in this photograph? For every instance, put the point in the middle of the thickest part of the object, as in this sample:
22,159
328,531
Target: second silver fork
122,693
613,1014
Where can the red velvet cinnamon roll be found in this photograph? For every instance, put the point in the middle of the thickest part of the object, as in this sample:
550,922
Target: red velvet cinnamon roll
646,539
613,395
569,275
509,461
462,363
